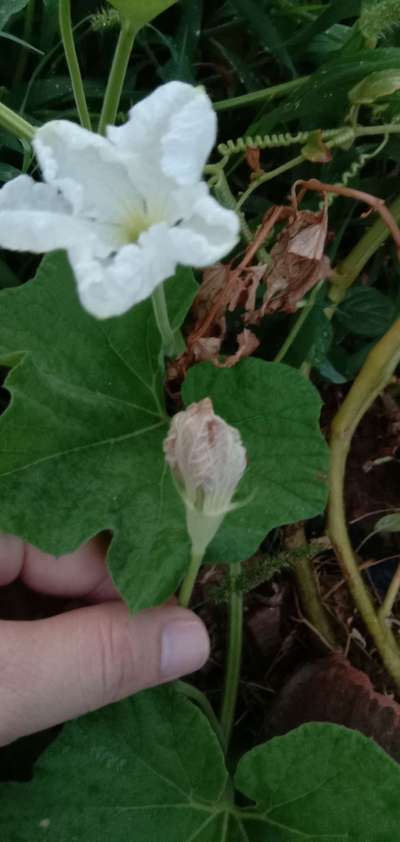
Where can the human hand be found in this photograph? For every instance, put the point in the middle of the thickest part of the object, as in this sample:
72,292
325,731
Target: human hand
58,668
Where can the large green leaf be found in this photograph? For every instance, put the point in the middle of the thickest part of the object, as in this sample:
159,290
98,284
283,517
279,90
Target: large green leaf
276,411
9,8
81,443
151,768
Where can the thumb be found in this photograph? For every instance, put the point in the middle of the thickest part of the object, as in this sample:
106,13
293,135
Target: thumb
62,667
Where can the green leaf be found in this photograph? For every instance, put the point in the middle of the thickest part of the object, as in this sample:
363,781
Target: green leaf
9,8
337,11
261,26
322,783
388,523
365,312
151,768
82,438
277,412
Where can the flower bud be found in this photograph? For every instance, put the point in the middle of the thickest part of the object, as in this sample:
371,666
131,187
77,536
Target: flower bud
141,12
207,460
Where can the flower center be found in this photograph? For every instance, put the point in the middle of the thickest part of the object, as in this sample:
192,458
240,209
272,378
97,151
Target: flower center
135,225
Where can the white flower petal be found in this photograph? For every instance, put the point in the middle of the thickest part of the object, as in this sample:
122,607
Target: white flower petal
34,217
174,128
111,287
88,170
207,236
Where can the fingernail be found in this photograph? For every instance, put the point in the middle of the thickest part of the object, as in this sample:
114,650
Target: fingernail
184,648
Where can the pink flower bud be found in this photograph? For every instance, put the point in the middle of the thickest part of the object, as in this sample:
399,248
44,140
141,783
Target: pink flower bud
207,460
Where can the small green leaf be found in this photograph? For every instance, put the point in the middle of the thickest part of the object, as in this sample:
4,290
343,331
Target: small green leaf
365,312
389,523
141,12
151,768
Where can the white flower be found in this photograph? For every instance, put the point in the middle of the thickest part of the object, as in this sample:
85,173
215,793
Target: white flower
207,459
127,208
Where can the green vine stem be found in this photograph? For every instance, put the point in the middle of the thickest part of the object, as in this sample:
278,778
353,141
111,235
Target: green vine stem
235,638
117,75
15,124
298,324
67,36
185,593
371,380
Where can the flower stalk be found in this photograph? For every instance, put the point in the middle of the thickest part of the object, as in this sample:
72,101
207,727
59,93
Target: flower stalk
67,36
185,593
117,75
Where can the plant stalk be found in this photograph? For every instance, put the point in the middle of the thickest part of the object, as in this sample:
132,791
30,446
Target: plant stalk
185,593
15,124
303,569
117,75
67,36
263,95
234,654
371,380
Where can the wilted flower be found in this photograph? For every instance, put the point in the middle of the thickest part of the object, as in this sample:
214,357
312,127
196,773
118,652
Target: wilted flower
207,459
127,208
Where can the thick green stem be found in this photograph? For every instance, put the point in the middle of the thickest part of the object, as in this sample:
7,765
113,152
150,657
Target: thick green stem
67,35
116,79
372,379
390,597
15,124
185,593
173,342
234,654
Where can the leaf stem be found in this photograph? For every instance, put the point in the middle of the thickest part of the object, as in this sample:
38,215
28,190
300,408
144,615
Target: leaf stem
268,176
304,313
390,597
185,593
173,342
371,380
67,36
15,124
117,75
234,654
303,568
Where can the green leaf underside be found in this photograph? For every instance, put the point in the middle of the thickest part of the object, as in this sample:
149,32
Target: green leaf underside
81,442
150,769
